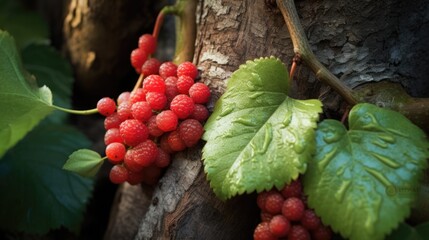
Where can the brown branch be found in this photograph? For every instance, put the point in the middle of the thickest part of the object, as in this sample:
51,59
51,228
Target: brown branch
302,48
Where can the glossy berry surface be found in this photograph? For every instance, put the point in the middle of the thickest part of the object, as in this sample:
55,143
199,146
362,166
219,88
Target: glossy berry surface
106,106
115,152
187,69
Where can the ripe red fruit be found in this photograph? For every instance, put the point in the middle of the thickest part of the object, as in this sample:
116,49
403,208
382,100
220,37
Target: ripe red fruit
106,106
322,233
191,131
145,153
187,69
141,111
156,100
130,162
124,111
135,178
298,232
274,202
310,220
151,66
154,131
262,232
147,43
167,121
293,209
167,69
123,97
154,83
260,200
279,226
151,175
118,174
200,93
112,121
133,132
293,189
115,152
171,88
112,135
163,144
138,57
163,159
266,217
200,113
182,105
175,142
184,83
137,95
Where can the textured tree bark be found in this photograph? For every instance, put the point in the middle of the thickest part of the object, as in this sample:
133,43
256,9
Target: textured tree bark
359,42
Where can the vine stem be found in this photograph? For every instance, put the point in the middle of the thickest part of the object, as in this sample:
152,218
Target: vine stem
78,112
302,48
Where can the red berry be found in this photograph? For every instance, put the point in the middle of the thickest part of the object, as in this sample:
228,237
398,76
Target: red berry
260,200
163,158
124,111
147,43
274,202
151,175
175,142
154,83
279,226
118,174
168,69
112,135
150,67
200,93
138,57
133,132
145,153
112,121
262,232
141,111
115,152
191,131
137,95
200,113
187,69
310,220
154,131
184,83
123,97
266,217
293,189
182,105
130,162
167,121
163,144
298,232
156,100
106,106
171,88
322,233
135,178
293,209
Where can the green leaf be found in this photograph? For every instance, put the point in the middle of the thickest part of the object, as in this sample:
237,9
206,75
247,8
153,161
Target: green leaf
363,181
26,26
258,137
52,70
23,104
37,195
84,162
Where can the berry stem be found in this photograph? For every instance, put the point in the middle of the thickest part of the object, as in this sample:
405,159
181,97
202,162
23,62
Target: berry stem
185,30
302,48
77,112
139,82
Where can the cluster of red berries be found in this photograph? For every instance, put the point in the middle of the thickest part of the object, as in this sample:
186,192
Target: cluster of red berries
285,215
161,117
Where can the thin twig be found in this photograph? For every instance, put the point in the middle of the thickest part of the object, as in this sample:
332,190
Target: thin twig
302,47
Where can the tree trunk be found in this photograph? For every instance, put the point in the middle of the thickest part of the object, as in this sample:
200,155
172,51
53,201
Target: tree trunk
360,42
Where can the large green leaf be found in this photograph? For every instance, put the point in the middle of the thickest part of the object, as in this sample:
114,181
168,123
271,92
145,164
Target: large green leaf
52,70
258,137
37,194
22,103
362,182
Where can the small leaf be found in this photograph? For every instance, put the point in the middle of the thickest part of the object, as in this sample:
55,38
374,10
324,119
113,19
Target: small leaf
84,162
257,137
23,104
407,232
361,182
37,195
